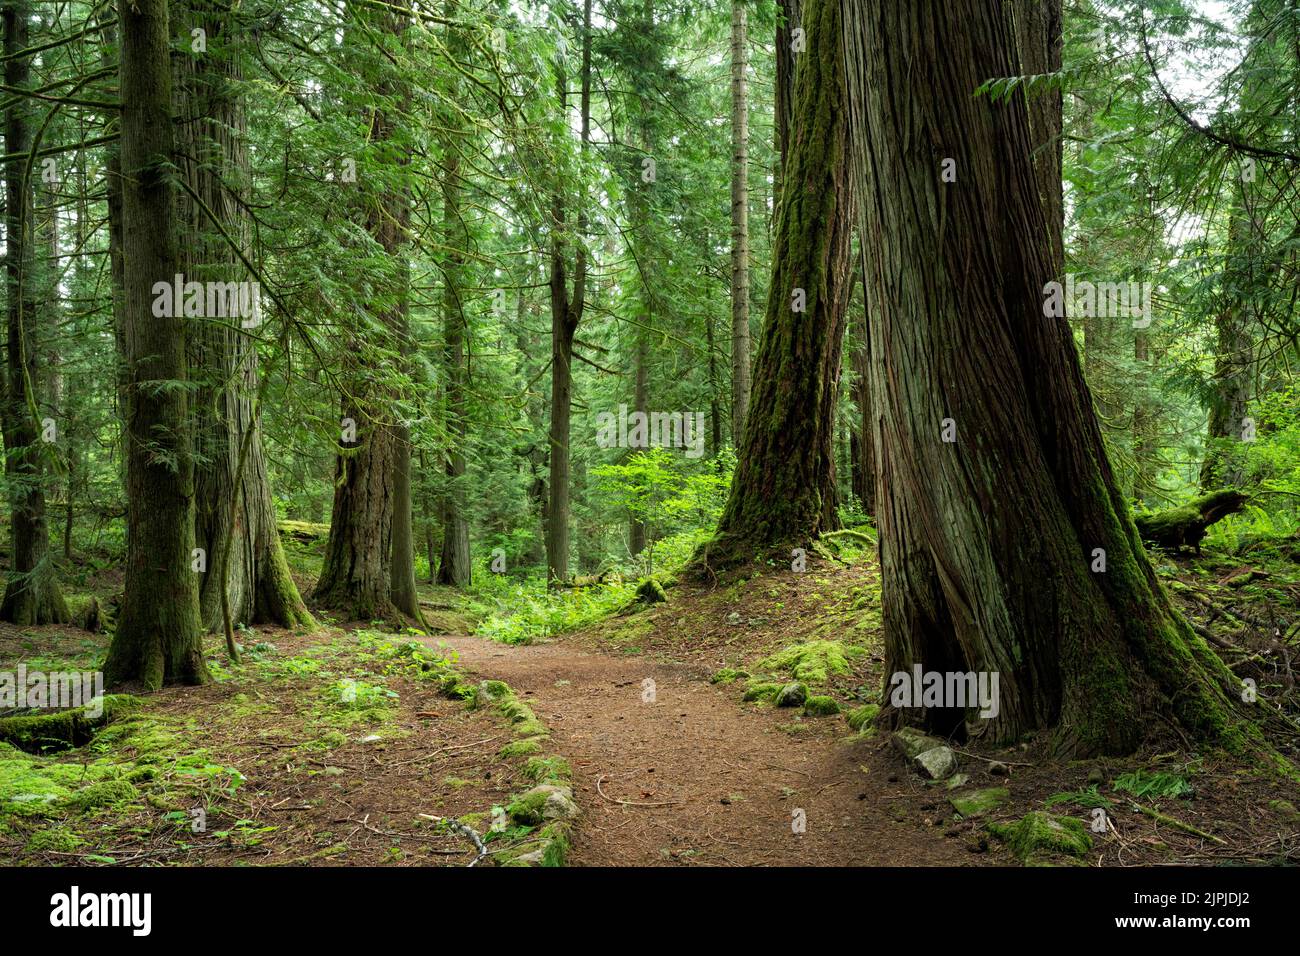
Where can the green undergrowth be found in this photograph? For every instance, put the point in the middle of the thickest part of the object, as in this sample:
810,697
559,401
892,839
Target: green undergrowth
524,612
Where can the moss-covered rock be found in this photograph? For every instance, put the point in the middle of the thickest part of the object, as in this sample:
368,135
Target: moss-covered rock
763,690
863,718
794,694
521,748
976,803
1039,834
1285,809
543,802
815,661
820,705
911,742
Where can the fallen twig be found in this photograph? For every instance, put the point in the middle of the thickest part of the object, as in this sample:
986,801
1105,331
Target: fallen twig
455,826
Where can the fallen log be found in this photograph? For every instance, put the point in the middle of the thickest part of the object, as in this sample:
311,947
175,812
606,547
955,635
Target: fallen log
1185,525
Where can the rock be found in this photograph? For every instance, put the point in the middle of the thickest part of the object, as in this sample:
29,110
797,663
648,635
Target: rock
957,780
978,802
370,739
333,771
546,801
911,742
821,706
861,718
764,690
560,806
793,694
999,769
1039,833
733,618
940,763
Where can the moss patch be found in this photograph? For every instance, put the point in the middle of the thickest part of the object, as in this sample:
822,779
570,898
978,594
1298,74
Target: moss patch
821,706
815,661
1039,834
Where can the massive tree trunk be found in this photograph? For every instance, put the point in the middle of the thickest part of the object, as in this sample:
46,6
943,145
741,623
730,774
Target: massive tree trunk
158,634
993,545
740,377
566,313
32,594
781,494
235,520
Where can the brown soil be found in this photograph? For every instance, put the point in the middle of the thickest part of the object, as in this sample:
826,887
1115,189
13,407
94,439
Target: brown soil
703,780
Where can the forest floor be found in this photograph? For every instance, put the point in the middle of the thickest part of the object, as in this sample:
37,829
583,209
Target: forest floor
336,746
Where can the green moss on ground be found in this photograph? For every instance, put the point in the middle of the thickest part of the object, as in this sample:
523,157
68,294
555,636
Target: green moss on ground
762,690
821,706
38,733
1039,834
815,661
862,719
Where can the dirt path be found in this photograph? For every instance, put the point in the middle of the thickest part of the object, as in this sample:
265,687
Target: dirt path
730,779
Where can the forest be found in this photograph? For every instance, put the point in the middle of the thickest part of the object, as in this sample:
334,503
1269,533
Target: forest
643,433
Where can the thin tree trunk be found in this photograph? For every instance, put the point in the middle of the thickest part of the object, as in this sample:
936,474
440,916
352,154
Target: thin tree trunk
1234,354
158,634
454,568
740,373
566,313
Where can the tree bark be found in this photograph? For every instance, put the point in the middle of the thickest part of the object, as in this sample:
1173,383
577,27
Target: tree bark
740,372
158,634
235,519
454,566
32,594
566,313
1234,353
989,544
782,491
356,576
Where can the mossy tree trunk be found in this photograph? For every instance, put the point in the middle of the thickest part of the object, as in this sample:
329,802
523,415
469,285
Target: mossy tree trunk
158,634
234,511
782,492
990,543
32,594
